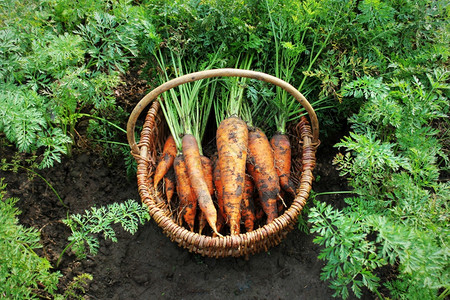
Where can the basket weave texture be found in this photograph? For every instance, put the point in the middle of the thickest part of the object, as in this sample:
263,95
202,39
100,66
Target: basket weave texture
244,244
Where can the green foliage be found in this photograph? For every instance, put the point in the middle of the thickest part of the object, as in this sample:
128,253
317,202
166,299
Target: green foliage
69,14
22,117
351,256
376,38
195,28
23,120
400,216
11,48
100,220
58,58
110,43
51,56
22,271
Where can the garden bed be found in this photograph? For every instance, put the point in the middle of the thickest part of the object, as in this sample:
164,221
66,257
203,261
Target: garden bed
148,265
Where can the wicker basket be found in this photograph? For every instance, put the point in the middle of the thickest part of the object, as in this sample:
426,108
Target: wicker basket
244,244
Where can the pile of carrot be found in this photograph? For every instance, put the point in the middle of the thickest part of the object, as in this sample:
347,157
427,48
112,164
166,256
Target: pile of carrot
245,184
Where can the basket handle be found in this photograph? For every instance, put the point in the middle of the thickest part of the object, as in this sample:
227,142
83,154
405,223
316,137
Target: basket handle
226,72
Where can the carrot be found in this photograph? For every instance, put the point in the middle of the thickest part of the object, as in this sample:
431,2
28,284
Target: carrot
208,173
168,155
202,222
191,155
188,201
220,223
262,168
259,212
232,140
218,190
169,184
282,154
248,207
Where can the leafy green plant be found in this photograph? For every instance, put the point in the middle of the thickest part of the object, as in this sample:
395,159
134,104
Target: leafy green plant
198,28
400,215
51,72
110,44
23,274
113,40
23,120
69,14
85,228
351,256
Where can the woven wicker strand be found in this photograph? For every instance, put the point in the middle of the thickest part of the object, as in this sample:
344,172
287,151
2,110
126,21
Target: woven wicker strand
245,244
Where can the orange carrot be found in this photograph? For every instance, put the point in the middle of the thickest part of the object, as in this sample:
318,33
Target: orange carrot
282,154
259,212
218,190
167,158
202,222
169,184
220,223
188,201
208,173
232,140
262,168
248,207
221,217
191,155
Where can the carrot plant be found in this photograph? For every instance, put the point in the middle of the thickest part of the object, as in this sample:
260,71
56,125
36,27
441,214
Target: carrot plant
399,216
86,227
50,75
24,274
